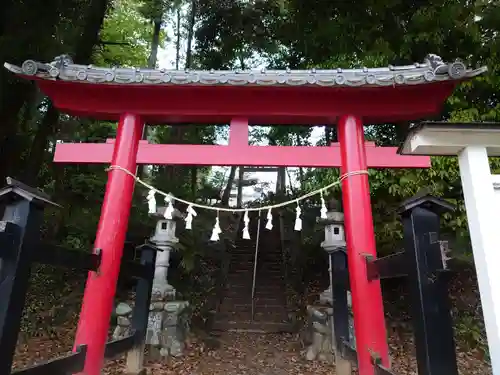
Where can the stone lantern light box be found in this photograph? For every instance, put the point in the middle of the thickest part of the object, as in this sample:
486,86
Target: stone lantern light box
165,231
335,231
334,227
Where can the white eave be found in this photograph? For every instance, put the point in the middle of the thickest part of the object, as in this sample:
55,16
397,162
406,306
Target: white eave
446,139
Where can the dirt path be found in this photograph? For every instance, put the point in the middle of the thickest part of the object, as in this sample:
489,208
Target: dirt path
239,354
258,354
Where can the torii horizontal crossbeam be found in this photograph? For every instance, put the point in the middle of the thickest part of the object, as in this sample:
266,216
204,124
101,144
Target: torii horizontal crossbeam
279,156
237,153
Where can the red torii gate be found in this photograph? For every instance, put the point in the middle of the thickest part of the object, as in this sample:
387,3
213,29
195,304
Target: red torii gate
315,97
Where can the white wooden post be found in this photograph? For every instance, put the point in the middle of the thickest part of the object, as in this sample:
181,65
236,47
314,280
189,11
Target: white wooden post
496,187
482,214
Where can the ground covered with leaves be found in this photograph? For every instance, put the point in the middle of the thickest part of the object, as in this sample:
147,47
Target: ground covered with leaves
237,354
51,317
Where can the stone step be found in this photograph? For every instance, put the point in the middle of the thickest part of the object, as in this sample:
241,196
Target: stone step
245,249
278,295
246,292
263,267
239,269
260,299
248,257
266,281
259,316
239,299
228,306
244,245
263,280
260,274
270,268
252,326
260,271
238,285
250,248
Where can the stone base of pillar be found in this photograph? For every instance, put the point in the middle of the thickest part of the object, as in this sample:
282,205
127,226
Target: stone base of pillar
325,298
163,292
318,334
318,329
168,326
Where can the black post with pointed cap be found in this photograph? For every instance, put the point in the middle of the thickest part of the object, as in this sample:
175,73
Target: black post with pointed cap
433,328
339,279
19,237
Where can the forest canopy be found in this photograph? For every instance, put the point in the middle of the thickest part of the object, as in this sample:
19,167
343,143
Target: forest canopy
239,34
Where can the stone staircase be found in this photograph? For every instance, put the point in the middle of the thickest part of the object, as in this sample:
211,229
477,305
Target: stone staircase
269,309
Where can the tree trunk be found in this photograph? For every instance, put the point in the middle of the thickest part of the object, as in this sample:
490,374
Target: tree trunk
36,156
83,55
189,57
190,34
227,191
194,182
301,170
15,93
4,14
281,182
178,41
401,132
90,36
330,135
155,43
328,140
333,134
31,112
10,153
153,56
241,175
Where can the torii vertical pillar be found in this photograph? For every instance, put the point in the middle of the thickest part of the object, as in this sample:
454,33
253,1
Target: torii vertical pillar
101,286
369,323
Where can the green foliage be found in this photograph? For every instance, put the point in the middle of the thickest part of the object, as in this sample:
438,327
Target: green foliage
232,33
156,9
471,333
125,25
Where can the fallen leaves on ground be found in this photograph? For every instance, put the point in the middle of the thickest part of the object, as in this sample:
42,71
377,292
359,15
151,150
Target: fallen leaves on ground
238,354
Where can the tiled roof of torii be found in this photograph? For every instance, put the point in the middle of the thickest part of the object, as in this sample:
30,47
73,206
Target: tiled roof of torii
433,69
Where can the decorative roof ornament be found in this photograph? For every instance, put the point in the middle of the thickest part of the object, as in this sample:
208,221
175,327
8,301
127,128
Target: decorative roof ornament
433,69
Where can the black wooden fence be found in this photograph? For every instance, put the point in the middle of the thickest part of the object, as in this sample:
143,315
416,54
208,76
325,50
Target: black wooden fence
424,264
20,247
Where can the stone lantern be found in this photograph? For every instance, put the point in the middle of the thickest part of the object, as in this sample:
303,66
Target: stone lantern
168,323
335,241
165,239
320,317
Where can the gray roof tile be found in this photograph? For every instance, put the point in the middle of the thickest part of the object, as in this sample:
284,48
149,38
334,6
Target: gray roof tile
433,69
